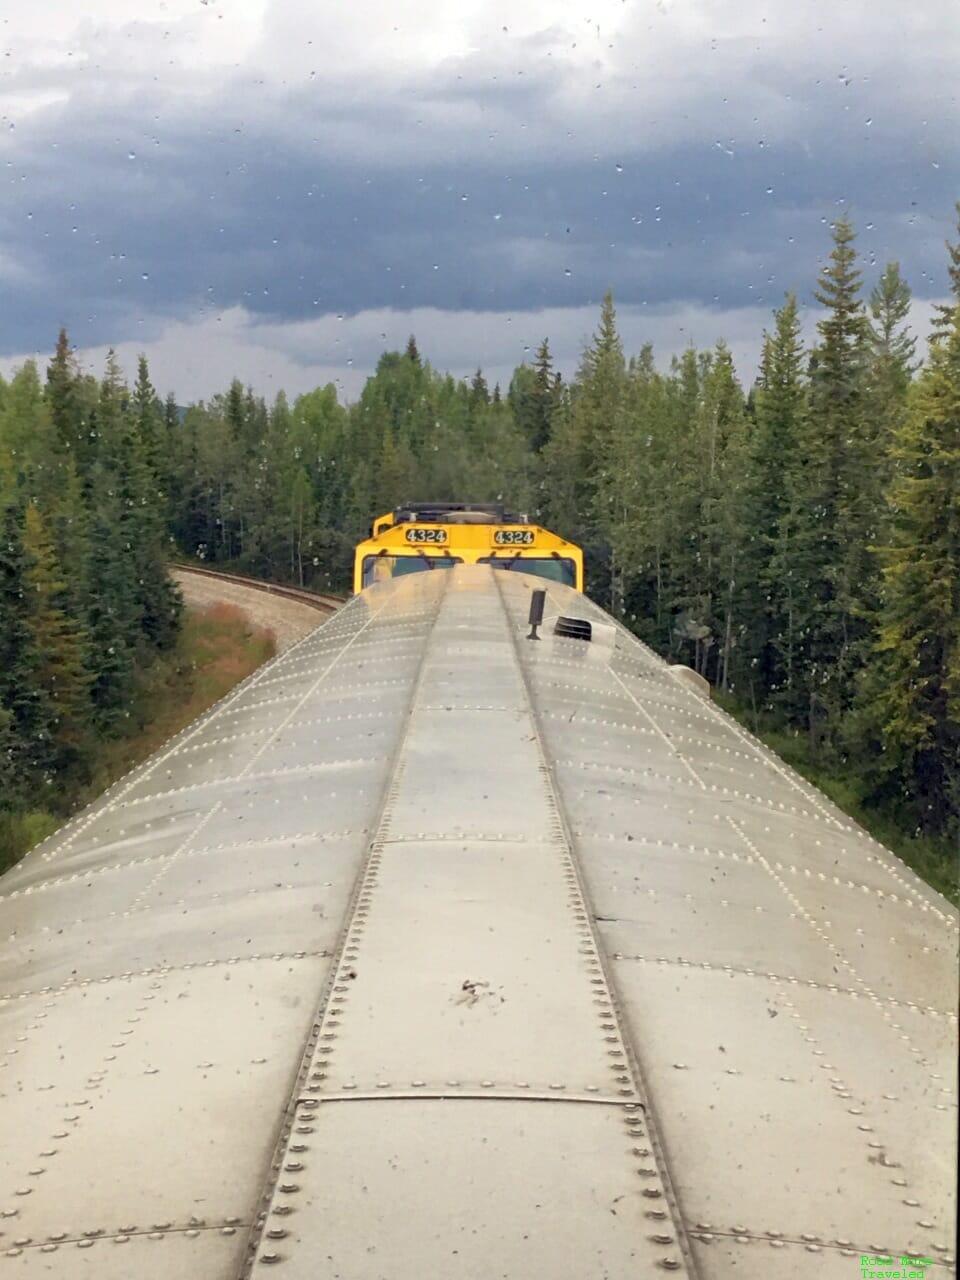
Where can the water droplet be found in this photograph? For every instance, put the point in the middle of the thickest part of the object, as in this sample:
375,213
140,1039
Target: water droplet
145,275
567,271
869,121
131,155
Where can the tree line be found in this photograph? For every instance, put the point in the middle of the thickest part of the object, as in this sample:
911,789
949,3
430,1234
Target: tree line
797,543
85,599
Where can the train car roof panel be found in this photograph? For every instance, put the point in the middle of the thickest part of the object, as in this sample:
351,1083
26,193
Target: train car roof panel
435,950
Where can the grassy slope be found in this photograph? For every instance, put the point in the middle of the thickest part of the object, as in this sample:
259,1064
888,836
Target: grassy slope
218,647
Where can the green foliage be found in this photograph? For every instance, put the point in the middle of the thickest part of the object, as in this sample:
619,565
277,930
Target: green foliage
26,719
21,830
85,600
833,507
215,649
943,314
58,671
771,561
911,696
533,397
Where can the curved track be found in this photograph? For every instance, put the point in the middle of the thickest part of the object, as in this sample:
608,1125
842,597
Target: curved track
435,951
315,599
290,612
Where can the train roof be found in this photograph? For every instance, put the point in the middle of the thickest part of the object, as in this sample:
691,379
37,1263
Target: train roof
435,950
456,513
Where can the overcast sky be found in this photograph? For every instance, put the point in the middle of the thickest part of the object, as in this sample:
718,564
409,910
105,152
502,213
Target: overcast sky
280,191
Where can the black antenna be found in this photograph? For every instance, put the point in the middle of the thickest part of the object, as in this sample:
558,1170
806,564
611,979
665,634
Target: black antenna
537,601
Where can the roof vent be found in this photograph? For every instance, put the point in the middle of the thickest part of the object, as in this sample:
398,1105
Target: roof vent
573,628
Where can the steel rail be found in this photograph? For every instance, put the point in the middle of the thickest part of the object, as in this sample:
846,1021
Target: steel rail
315,599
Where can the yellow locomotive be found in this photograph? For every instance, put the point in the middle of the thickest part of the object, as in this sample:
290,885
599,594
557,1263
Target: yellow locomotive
438,535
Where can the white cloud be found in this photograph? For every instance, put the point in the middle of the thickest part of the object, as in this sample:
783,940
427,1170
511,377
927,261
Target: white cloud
737,70
198,357
481,152
57,50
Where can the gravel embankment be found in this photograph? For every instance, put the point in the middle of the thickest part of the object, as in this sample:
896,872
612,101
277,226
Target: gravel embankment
289,620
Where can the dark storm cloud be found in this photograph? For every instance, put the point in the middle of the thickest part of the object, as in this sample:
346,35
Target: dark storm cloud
461,191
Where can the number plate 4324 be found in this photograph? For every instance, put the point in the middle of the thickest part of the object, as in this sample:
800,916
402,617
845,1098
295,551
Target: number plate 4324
427,535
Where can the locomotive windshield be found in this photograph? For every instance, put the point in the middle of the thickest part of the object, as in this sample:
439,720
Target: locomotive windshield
380,568
560,569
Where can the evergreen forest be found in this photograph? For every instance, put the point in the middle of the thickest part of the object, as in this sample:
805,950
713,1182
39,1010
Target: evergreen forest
797,542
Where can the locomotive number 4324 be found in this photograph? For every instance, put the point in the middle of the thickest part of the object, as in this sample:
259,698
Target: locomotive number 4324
427,535
513,537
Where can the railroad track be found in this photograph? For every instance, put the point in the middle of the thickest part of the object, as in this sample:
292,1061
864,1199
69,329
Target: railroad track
315,599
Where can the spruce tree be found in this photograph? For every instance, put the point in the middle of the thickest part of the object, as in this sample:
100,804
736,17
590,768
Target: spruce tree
151,429
598,423
28,442
912,691
890,339
480,392
652,475
24,700
302,519
726,444
59,672
779,406
543,399
114,608
63,374
72,398
943,313
832,505
70,523
891,367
